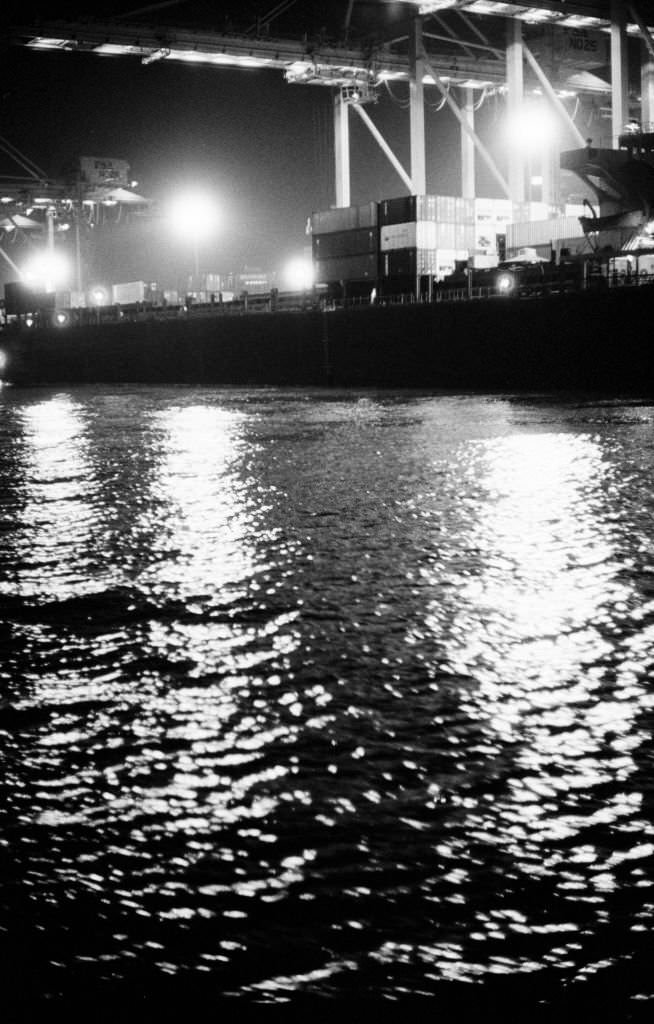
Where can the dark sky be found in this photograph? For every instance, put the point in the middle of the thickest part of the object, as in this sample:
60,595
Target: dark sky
263,146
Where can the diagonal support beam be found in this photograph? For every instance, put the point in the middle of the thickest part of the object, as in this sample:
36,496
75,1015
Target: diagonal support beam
379,138
470,132
11,263
552,97
642,28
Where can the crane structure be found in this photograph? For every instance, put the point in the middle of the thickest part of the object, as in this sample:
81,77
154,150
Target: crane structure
460,48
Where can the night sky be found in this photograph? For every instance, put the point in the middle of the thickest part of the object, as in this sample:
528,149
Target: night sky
262,146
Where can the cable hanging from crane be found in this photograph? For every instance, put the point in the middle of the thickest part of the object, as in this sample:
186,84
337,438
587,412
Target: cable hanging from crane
403,104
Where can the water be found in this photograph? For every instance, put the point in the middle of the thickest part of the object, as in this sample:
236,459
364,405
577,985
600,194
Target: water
327,698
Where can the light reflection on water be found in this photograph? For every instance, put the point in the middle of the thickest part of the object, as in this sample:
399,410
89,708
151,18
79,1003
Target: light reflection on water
327,694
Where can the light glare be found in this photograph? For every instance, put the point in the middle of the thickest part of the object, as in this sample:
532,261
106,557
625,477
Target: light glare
531,129
193,213
298,274
46,270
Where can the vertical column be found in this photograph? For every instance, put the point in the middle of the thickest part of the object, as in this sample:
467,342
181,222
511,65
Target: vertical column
647,89
342,150
619,70
515,83
417,108
550,171
468,147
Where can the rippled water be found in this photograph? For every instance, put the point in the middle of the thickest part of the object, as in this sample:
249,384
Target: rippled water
338,697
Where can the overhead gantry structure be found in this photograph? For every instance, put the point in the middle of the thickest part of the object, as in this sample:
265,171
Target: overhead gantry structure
461,48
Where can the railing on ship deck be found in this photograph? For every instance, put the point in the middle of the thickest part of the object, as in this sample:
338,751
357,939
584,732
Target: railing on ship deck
308,301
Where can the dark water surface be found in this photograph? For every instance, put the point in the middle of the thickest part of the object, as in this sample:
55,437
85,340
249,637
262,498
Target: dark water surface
329,698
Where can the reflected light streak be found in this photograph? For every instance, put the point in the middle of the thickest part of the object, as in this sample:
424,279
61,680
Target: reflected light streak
59,518
533,625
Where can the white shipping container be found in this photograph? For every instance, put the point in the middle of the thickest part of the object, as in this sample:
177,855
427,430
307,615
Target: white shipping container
446,235
129,292
397,236
483,260
485,236
541,232
422,234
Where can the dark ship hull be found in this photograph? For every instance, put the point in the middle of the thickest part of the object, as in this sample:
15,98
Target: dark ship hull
599,339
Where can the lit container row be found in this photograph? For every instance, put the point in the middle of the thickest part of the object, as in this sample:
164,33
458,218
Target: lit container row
425,234
362,267
345,243
344,218
452,209
414,262
542,232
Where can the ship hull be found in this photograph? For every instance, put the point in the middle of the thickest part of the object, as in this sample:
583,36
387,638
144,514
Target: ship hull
597,340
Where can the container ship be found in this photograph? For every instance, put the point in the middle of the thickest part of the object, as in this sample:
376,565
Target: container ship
430,291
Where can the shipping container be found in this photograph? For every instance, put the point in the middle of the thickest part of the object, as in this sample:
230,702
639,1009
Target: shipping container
541,232
397,236
464,210
20,299
435,208
445,235
344,218
465,236
425,234
367,215
363,267
485,237
446,208
483,261
397,211
345,243
129,292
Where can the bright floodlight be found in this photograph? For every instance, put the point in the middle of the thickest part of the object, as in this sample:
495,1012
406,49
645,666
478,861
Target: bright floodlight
99,295
47,271
298,274
193,214
531,129
505,283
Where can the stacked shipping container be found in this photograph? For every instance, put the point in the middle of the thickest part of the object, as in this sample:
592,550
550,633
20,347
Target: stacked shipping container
546,235
345,244
414,236
424,235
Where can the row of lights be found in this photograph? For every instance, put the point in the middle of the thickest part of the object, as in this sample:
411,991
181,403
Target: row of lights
194,216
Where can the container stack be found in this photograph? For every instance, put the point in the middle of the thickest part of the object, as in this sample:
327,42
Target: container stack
545,236
492,220
345,244
424,235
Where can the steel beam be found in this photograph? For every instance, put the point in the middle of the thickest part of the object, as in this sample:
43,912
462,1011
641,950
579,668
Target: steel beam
461,118
11,263
417,108
515,84
379,138
468,146
647,90
619,71
646,71
552,97
341,150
